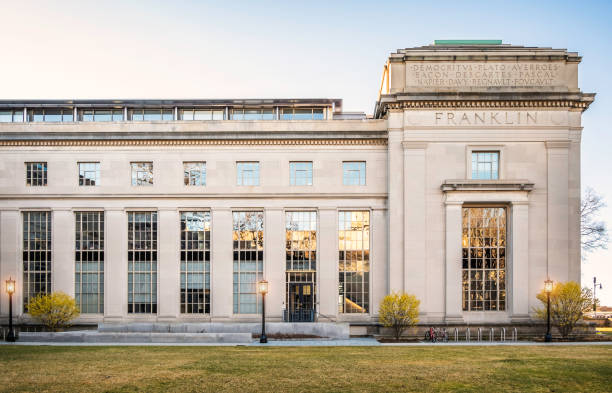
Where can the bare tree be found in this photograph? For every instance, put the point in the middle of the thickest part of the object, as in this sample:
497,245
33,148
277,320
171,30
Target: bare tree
594,233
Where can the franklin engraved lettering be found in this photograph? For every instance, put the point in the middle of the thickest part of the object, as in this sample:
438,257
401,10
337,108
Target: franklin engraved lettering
485,118
483,74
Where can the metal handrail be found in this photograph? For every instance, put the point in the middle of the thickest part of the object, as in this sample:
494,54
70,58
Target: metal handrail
456,334
514,335
467,334
479,334
491,334
502,336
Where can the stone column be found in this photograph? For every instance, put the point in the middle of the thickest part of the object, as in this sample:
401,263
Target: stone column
453,310
10,261
327,264
519,268
168,240
415,222
558,210
221,266
63,239
378,258
395,185
274,267
115,266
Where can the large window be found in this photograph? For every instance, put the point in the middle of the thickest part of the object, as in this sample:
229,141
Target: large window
301,240
194,173
254,114
150,114
248,260
142,262
89,173
354,261
36,255
484,259
300,173
11,116
201,114
354,173
302,114
195,262
247,173
51,114
36,173
485,165
142,173
101,114
89,262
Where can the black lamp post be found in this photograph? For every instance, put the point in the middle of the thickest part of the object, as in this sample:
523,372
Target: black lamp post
595,285
263,289
548,287
10,289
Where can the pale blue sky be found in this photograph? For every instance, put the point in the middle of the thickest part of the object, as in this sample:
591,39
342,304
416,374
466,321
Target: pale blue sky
189,49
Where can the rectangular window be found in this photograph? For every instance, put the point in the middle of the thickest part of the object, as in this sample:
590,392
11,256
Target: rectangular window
354,173
484,259
254,114
247,173
300,173
485,165
150,114
36,173
89,262
302,114
301,240
89,173
201,114
354,261
195,262
101,114
11,116
51,114
194,173
248,249
142,173
142,262
36,255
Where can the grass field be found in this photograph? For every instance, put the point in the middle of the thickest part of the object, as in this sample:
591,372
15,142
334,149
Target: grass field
318,369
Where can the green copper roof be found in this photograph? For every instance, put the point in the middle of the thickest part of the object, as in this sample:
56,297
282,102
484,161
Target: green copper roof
467,42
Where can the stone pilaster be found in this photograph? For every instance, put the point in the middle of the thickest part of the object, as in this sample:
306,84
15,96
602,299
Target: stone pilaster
10,260
221,269
274,266
327,264
168,294
115,265
558,212
518,284
453,308
62,236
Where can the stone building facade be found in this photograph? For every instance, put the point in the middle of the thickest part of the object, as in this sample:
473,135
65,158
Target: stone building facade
463,188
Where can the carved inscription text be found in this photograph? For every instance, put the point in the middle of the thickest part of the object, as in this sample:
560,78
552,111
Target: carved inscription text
483,74
485,118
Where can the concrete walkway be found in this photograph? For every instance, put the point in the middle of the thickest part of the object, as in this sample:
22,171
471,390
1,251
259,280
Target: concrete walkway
352,342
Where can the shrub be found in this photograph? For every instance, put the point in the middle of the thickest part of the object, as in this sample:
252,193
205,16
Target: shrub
568,302
54,310
399,311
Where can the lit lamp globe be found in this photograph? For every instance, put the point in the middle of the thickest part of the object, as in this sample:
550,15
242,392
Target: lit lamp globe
548,286
263,287
10,286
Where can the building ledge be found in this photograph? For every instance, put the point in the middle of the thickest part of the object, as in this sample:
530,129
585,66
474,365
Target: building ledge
486,185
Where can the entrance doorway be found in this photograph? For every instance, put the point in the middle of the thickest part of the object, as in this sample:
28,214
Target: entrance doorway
300,306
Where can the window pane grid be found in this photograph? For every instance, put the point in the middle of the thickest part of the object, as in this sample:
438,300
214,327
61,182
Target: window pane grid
354,173
248,251
11,116
36,173
302,114
36,255
485,165
142,262
194,173
354,261
201,114
253,114
142,173
484,259
247,173
89,261
163,114
89,173
300,173
301,240
195,262
51,115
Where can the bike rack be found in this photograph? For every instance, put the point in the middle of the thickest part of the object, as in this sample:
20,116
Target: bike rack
467,334
491,334
456,334
479,334
502,336
514,335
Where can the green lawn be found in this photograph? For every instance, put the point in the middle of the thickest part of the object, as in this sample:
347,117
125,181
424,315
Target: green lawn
320,369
